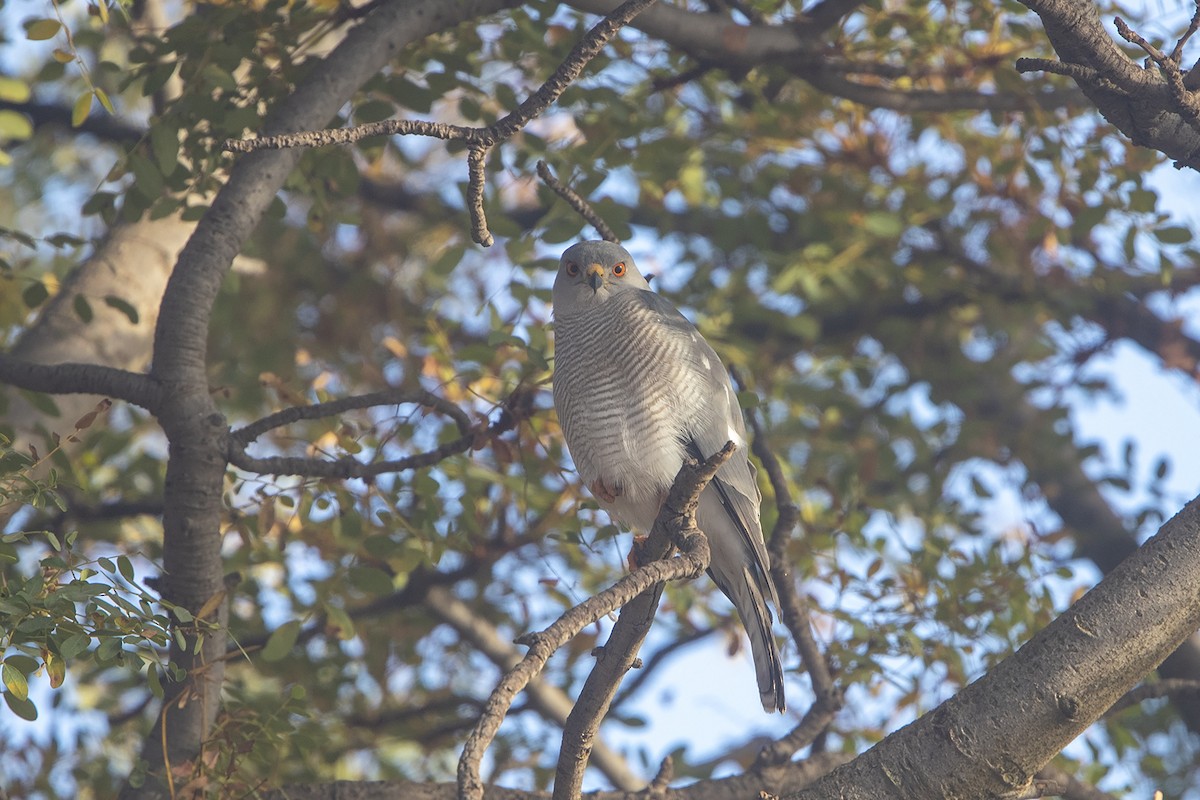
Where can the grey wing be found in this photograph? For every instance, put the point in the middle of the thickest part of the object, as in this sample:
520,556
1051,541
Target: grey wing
735,482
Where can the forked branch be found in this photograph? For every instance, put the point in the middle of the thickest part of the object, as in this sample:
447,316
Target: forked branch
479,141
680,514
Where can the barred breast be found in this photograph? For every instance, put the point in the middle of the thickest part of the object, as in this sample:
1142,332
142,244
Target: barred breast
627,393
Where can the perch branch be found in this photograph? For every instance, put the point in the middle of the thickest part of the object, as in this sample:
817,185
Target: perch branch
549,701
692,561
617,656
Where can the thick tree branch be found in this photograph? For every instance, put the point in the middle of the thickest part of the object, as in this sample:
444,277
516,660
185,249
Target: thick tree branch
195,430
1153,109
716,40
692,561
788,777
994,736
132,387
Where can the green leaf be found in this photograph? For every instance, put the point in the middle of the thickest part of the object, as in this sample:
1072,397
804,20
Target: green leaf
14,90
15,682
74,645
1174,234
22,708
14,125
155,681
39,30
281,641
81,109
164,145
125,567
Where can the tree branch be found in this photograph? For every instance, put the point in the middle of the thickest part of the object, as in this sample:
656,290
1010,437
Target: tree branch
581,206
550,701
1039,699
387,397
132,387
196,432
479,141
692,561
1154,110
714,39
617,656
512,411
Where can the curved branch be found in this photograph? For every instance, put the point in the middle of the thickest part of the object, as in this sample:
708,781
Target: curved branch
387,397
679,515
581,206
1154,110
716,40
550,701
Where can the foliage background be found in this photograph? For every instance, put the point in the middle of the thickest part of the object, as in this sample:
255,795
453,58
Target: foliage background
921,295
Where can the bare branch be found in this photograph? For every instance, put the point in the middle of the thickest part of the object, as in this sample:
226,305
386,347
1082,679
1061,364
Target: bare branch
581,206
512,411
692,561
619,653
132,387
550,701
793,609
388,397
476,158
478,140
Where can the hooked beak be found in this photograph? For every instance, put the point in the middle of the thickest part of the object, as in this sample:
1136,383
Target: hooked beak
595,276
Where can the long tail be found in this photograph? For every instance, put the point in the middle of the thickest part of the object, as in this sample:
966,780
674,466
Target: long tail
756,617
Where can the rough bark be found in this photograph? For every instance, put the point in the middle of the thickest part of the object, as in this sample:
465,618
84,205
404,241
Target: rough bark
991,739
188,414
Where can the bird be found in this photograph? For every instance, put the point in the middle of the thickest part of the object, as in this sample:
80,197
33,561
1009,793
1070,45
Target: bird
637,389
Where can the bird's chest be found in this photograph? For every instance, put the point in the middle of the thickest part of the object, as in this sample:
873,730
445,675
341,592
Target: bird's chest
627,396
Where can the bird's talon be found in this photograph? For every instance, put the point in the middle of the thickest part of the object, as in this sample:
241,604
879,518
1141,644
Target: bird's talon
601,490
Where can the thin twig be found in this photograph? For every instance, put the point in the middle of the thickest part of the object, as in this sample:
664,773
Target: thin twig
1186,103
1177,52
691,562
387,397
581,206
478,140
1079,72
793,608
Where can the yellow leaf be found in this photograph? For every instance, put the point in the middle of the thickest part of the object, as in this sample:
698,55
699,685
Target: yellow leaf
39,30
83,106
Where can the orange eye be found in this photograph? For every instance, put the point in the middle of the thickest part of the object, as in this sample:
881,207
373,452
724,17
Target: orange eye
572,268
619,269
